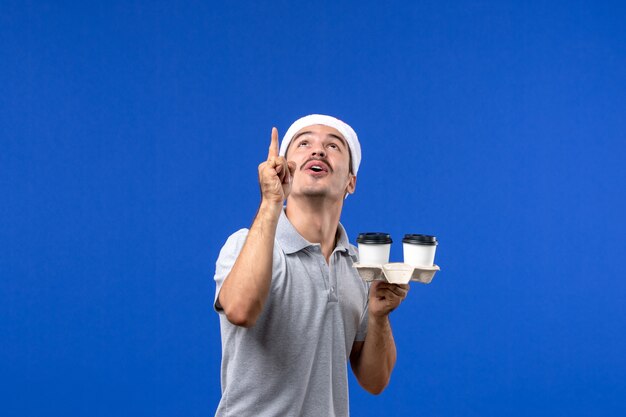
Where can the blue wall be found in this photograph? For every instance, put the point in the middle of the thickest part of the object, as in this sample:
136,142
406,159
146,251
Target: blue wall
130,133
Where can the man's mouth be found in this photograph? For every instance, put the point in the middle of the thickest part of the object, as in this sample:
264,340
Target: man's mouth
316,167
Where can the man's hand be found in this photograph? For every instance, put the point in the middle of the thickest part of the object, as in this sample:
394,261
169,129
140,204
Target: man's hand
386,297
275,174
246,288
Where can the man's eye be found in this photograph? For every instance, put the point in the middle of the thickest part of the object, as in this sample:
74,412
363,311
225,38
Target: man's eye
334,146
303,143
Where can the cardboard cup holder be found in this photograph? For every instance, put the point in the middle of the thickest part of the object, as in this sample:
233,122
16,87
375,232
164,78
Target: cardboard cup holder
396,272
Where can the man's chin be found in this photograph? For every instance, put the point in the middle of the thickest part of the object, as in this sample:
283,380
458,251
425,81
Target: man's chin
314,192
317,193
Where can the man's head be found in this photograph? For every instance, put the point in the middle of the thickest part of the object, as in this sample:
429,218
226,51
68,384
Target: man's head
327,154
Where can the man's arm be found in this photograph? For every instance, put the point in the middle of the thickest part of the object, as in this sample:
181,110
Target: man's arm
373,359
245,289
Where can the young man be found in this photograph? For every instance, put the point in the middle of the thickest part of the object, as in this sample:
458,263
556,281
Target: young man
292,309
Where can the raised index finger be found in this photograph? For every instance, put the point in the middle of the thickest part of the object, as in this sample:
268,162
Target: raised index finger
273,151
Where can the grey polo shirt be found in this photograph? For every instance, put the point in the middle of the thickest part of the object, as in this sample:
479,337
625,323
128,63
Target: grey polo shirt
293,361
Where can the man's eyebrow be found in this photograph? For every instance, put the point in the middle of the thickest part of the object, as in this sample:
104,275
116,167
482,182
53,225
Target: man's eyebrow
339,138
300,134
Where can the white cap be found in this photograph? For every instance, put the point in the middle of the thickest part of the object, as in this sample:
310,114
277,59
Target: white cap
319,119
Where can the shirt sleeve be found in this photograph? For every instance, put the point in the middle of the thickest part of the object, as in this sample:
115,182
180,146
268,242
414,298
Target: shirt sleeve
228,255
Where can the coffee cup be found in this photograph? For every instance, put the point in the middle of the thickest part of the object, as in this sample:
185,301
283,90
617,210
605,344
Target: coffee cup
419,250
374,248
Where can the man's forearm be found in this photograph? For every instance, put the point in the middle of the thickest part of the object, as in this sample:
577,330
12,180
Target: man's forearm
378,356
246,287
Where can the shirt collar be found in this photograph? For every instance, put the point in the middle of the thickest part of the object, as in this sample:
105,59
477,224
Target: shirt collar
291,241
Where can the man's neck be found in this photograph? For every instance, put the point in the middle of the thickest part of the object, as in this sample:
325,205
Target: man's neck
316,220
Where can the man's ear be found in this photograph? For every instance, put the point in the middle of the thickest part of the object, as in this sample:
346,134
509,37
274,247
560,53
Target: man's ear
351,187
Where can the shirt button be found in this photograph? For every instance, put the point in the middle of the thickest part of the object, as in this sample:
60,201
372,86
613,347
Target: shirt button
332,289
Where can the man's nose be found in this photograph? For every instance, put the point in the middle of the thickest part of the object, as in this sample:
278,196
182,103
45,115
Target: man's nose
319,152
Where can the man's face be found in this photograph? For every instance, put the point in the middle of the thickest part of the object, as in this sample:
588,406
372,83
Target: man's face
322,160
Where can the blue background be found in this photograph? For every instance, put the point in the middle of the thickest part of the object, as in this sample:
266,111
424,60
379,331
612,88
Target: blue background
130,138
